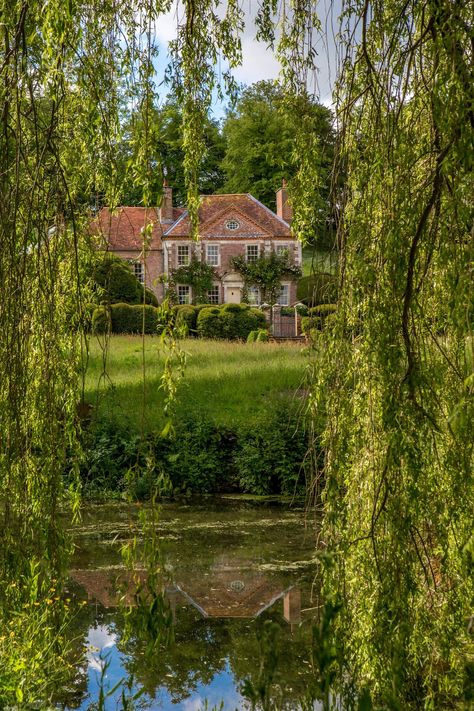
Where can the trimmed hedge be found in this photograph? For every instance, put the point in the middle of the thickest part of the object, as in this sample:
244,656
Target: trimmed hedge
129,319
317,289
186,315
229,321
125,318
322,310
311,323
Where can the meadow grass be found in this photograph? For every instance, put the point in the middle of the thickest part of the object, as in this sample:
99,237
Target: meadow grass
228,383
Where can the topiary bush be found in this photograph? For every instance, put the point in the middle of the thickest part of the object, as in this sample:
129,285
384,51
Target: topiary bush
127,318
322,310
317,289
311,323
230,321
118,284
185,315
263,335
209,324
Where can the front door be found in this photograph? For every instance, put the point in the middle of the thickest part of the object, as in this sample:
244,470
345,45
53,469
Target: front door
232,295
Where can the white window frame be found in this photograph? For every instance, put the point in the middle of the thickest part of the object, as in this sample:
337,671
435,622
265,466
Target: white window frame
184,258
232,224
284,288
254,257
215,287
138,269
255,291
215,256
281,249
183,292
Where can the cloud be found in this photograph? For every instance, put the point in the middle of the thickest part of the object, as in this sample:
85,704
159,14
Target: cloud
98,639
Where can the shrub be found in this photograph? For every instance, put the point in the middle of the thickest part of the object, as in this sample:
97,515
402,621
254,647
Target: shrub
119,284
252,337
150,298
263,335
322,310
270,455
231,321
126,318
302,310
208,323
317,289
101,322
186,315
310,323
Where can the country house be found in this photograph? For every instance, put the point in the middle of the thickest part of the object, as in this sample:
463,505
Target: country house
229,226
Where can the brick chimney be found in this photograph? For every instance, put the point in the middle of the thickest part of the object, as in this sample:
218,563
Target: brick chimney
283,208
166,208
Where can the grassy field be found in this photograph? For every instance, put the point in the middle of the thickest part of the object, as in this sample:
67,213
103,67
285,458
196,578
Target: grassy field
228,383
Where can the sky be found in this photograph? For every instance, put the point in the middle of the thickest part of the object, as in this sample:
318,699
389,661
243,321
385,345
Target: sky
258,60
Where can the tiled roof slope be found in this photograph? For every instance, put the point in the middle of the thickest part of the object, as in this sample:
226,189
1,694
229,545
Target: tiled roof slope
215,210
122,228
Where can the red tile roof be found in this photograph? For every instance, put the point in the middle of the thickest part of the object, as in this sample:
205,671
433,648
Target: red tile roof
122,228
255,220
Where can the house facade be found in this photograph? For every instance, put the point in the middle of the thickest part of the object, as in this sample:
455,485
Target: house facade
229,226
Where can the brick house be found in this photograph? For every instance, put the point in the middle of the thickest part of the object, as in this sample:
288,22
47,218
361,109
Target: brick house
229,225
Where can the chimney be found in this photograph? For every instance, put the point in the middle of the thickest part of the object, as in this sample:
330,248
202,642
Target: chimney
283,208
166,208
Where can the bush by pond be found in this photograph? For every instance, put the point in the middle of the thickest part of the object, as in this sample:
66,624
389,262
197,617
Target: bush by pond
200,457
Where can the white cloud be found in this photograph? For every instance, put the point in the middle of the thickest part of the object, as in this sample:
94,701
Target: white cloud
98,639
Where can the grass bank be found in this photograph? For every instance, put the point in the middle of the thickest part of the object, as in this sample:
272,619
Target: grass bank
230,384
235,425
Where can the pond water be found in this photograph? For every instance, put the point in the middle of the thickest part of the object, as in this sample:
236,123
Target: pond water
240,595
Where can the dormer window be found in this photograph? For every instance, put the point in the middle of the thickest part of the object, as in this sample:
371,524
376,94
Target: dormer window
232,225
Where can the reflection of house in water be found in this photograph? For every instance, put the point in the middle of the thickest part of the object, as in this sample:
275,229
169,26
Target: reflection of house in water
227,590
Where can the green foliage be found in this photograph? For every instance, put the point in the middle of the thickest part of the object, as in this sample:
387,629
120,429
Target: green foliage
311,323
168,151
317,289
116,283
186,315
198,275
261,335
229,321
266,273
270,456
126,318
101,320
261,147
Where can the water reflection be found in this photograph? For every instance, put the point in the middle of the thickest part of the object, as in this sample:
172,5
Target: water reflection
223,584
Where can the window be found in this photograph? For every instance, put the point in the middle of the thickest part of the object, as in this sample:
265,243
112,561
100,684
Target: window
253,295
284,296
252,252
184,294
212,254
232,225
183,255
213,294
282,250
138,270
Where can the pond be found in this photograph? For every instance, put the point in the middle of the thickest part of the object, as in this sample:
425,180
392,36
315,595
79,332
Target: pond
240,595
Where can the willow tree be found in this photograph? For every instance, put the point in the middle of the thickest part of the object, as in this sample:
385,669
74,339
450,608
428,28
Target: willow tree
396,378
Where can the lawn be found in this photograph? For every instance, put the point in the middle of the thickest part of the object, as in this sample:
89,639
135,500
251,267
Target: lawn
228,383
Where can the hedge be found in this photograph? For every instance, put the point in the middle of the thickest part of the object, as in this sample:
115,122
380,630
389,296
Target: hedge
322,310
317,289
229,321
